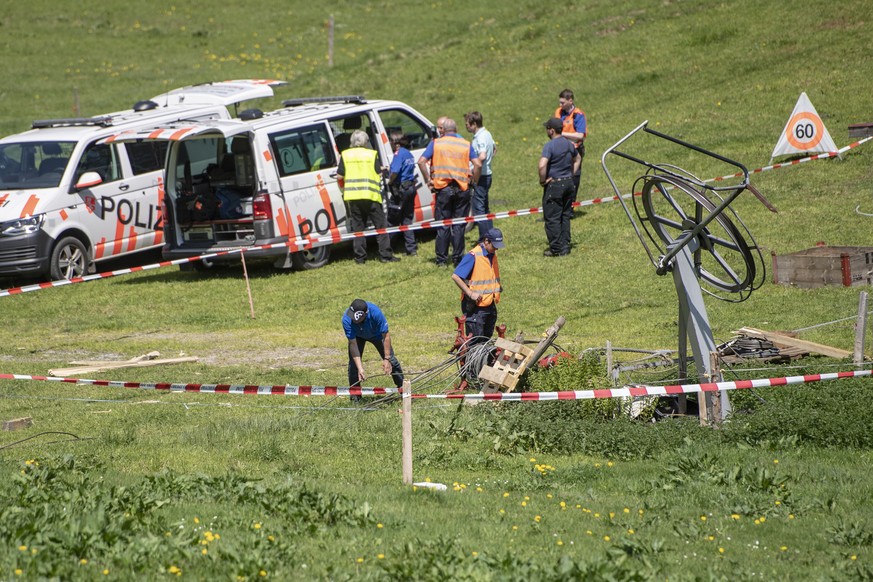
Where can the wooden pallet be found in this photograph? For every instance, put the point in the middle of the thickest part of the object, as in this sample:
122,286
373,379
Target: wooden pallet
514,360
506,371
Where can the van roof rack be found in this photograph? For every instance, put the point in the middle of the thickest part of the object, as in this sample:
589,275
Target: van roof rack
104,121
357,99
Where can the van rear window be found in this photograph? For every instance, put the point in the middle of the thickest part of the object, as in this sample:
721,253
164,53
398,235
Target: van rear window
304,149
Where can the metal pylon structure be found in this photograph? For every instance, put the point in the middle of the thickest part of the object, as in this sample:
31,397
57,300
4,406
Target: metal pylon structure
689,233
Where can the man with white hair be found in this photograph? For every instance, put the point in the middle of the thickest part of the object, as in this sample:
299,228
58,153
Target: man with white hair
358,176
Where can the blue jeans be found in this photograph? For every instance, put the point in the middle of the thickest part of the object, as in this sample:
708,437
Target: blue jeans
480,204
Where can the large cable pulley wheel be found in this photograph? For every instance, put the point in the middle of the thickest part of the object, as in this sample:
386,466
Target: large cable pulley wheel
669,207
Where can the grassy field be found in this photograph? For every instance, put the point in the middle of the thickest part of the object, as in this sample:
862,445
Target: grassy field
201,486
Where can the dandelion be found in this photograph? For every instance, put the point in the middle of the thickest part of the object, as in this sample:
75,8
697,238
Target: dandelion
256,525
778,502
611,514
578,506
524,503
640,511
379,526
83,561
589,532
721,550
626,510
853,557
790,516
22,548
783,548
380,556
262,573
106,571
271,538
735,516
526,498
174,570
204,551
631,531
196,519
775,461
360,560
548,495
560,543
610,464
702,518
474,554
501,511
533,460
505,494
606,538
537,518
757,522
711,538
479,490
597,515
515,528
19,571
763,519
563,505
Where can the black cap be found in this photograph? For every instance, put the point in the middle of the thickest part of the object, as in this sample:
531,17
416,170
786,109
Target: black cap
555,123
358,310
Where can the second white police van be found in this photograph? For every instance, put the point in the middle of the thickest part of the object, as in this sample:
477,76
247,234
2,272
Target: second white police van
68,199
266,179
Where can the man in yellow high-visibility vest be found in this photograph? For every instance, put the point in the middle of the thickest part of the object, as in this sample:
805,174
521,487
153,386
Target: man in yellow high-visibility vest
358,176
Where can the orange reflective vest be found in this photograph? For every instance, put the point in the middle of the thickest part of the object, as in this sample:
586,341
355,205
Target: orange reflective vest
361,179
484,278
451,161
570,120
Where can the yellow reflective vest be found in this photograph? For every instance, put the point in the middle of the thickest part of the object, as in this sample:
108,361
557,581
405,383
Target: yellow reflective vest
484,278
361,179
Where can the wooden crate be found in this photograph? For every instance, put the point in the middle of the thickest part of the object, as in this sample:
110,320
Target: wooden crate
823,266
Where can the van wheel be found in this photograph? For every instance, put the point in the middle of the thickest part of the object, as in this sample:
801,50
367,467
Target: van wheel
69,259
311,259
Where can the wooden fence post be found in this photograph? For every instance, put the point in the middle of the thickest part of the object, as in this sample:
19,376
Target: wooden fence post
860,329
406,423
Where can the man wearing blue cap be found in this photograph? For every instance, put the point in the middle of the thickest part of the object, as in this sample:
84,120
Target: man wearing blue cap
478,278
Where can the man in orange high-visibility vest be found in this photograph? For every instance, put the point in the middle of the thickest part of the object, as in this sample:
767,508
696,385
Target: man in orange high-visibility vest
445,166
478,278
575,128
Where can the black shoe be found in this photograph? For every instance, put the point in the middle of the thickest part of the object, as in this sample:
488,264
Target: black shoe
389,259
549,253
360,261
411,253
441,264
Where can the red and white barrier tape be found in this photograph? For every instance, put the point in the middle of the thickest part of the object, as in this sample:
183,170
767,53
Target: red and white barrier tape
625,392
307,242
215,388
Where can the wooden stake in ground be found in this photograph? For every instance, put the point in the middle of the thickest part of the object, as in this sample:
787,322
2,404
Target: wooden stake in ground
242,257
406,440
860,329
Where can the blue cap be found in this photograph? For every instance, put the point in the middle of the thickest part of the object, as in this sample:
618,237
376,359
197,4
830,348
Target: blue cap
496,237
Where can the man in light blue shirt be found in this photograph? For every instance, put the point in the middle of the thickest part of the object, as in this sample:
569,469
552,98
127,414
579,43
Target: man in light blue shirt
484,146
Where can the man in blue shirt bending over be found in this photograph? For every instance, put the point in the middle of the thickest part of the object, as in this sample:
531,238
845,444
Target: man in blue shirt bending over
364,322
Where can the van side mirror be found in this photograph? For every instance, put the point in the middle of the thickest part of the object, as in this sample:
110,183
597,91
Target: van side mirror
88,180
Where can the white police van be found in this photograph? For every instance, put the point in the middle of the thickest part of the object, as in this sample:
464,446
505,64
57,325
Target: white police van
68,199
267,179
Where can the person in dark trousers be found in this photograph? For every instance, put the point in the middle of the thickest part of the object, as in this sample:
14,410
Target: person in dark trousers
445,166
358,175
401,181
364,322
478,278
558,164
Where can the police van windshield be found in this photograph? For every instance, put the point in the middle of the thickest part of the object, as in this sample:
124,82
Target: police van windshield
33,165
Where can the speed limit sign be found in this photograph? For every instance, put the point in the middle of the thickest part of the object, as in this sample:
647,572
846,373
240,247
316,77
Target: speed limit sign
804,133
804,130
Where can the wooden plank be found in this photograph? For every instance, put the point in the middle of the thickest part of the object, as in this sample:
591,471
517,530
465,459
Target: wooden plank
18,423
785,340
69,372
